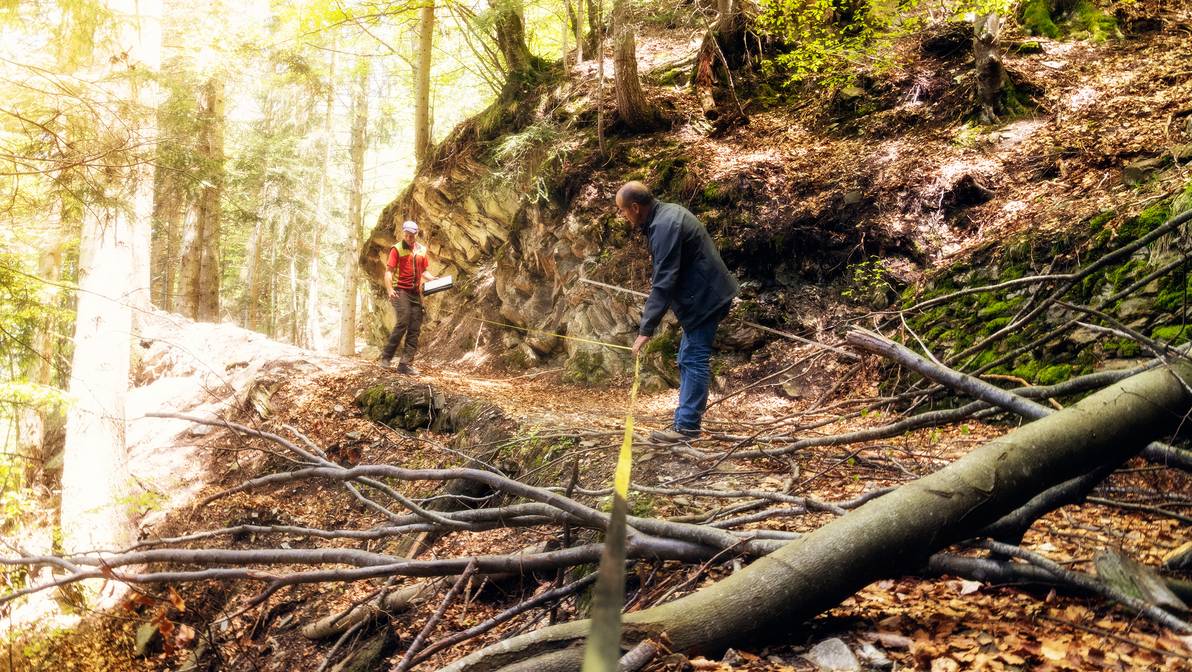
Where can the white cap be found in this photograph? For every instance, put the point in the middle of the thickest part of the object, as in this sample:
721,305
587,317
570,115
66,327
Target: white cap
409,227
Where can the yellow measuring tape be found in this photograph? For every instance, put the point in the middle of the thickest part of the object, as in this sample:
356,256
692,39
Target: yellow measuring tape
625,459
603,647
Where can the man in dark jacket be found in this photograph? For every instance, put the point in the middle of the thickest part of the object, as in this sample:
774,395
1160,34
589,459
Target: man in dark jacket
691,279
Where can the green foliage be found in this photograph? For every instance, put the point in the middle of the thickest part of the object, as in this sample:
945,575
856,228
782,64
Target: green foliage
870,282
527,158
827,39
824,36
1172,334
1050,375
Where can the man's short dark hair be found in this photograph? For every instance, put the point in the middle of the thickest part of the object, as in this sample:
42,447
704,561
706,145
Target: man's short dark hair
636,192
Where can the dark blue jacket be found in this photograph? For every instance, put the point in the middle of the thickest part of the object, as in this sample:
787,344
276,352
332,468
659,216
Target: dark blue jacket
689,275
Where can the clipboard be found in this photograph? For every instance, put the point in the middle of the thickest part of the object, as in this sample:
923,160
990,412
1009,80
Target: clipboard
437,285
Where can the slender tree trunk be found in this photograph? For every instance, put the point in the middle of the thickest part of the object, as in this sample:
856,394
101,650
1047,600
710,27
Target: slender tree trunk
598,31
271,316
168,205
991,74
212,149
250,278
198,296
95,480
35,424
322,216
578,24
511,40
595,25
190,263
296,336
632,106
347,326
422,120
566,33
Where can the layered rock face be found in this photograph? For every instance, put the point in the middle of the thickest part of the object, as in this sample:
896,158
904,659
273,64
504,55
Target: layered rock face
517,259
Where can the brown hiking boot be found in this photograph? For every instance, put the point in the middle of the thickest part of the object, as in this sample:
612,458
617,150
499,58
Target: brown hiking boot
668,436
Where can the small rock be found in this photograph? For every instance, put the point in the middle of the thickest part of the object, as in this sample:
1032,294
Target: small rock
791,389
147,636
732,658
851,93
874,657
853,197
833,655
1133,307
201,430
338,408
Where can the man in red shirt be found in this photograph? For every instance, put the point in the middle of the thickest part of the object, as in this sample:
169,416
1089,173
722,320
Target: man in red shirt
409,262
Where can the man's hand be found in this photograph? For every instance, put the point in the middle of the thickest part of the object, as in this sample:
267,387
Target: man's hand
637,345
392,293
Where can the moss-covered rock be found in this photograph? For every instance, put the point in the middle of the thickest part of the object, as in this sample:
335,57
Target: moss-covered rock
1086,19
586,367
1036,19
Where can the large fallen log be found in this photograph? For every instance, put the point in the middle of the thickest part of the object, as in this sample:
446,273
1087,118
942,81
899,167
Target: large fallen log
886,537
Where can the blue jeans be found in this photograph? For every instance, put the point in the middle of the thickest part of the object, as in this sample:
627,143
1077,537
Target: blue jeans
695,373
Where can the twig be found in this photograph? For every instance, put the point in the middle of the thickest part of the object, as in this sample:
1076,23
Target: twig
408,659
516,610
1081,580
1113,635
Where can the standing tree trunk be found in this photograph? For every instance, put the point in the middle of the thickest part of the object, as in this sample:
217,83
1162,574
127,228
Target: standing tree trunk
168,206
37,423
252,278
566,33
511,41
632,106
198,296
991,74
95,481
598,32
595,25
577,24
212,149
190,263
322,216
422,120
347,324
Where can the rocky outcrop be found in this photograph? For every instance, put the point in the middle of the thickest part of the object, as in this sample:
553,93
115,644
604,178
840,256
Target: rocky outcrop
517,258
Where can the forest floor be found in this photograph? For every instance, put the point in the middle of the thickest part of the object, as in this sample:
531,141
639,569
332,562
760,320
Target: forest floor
918,623
1099,107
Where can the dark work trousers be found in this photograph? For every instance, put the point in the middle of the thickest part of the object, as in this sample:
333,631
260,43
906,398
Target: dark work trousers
408,306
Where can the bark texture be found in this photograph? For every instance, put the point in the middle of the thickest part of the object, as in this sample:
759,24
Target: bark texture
113,277
890,535
632,107
422,120
199,291
991,74
347,324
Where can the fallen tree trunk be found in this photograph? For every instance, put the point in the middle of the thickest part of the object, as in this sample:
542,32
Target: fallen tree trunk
1156,452
887,536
